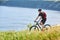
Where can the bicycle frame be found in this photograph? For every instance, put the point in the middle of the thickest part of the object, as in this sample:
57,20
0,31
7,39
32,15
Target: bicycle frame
38,24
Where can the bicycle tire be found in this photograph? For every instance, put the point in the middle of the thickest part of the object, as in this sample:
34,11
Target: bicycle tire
33,27
47,25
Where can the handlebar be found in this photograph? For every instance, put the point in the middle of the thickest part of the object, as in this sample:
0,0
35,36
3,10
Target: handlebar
36,21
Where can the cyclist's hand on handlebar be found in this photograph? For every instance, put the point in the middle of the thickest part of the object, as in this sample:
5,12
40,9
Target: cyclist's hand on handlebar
35,21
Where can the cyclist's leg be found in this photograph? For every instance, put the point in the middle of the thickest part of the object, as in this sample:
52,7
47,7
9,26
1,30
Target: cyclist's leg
42,23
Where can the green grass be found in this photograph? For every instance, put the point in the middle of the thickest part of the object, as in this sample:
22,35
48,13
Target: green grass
51,34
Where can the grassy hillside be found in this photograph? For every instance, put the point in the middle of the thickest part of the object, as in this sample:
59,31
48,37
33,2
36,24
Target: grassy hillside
51,34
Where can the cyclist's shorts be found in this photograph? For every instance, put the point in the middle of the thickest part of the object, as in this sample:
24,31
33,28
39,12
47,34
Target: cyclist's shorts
43,21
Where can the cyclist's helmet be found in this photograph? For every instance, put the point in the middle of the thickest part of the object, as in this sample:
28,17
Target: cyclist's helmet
39,9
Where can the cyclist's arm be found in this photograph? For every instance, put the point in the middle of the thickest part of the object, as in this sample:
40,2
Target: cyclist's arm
37,18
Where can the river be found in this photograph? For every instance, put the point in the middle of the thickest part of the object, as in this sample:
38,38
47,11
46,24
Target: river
17,18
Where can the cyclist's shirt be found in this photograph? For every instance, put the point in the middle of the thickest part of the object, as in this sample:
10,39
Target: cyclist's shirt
43,15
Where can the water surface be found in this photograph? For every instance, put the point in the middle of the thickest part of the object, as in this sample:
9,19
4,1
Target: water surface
17,18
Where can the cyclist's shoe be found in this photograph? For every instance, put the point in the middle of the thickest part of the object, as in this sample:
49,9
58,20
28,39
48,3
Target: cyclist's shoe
42,29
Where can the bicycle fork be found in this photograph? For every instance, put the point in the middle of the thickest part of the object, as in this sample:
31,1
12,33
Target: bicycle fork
40,27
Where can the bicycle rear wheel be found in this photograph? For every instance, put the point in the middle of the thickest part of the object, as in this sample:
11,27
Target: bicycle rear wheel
34,27
47,26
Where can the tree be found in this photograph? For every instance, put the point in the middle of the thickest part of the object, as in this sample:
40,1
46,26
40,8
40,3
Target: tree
3,1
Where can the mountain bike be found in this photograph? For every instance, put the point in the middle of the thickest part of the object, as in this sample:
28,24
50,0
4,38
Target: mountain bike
38,26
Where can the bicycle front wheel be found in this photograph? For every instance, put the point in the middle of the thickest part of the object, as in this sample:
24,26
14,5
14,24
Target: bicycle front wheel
34,27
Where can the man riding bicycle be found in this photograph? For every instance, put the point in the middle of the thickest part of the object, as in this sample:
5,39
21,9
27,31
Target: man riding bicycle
43,16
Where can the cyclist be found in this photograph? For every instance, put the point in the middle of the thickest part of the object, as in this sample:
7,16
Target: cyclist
43,16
